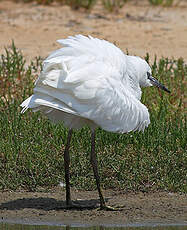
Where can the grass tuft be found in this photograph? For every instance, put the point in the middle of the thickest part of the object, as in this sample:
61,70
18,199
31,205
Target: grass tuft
31,148
113,5
110,5
162,2
74,4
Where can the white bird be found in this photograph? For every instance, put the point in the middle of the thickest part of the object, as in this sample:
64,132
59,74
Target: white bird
92,82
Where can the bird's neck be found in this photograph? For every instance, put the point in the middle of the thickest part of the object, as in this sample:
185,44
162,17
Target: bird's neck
134,87
136,91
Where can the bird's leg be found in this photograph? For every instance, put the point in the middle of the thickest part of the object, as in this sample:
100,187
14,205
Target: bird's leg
93,159
69,203
66,167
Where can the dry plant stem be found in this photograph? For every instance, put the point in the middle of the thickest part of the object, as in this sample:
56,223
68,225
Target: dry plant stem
93,160
66,167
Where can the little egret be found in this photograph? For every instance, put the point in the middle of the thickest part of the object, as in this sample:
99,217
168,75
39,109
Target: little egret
92,82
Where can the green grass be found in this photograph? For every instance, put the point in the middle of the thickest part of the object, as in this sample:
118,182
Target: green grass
74,4
113,5
110,5
31,148
162,2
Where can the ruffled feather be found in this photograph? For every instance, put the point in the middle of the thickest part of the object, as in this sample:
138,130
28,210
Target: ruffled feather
85,83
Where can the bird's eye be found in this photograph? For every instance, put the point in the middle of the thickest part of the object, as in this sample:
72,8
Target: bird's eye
148,75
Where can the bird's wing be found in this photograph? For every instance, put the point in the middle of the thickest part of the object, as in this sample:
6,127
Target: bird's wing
92,49
85,79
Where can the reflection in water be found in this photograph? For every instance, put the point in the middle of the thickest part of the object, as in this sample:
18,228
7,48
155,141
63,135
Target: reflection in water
5,226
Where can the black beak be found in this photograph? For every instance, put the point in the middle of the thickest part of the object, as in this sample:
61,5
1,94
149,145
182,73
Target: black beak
157,83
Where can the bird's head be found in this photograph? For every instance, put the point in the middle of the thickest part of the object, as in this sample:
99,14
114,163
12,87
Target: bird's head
141,71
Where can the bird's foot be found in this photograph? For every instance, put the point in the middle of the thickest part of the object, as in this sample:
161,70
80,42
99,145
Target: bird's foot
73,206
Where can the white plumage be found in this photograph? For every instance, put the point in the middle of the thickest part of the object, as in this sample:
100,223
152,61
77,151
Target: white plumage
92,82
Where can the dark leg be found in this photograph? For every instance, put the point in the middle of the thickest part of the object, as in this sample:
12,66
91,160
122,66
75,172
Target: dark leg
66,167
69,203
93,160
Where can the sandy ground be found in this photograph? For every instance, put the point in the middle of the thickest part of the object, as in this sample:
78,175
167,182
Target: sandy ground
142,208
138,28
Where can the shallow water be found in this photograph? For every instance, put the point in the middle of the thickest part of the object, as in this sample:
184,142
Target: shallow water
8,226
